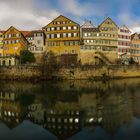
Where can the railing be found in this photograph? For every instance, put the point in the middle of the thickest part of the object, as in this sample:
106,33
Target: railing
104,57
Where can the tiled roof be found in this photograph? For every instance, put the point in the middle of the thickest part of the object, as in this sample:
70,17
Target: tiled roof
133,35
2,31
31,33
88,24
25,33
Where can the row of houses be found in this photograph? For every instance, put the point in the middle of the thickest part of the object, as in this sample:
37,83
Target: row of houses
106,43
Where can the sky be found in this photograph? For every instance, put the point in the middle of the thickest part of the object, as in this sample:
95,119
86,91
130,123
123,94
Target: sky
35,14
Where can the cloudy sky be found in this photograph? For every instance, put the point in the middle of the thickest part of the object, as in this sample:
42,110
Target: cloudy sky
34,14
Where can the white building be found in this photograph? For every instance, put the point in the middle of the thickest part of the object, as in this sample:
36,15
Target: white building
37,41
124,40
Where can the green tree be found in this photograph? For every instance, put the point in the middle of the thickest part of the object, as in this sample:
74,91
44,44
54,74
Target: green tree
26,57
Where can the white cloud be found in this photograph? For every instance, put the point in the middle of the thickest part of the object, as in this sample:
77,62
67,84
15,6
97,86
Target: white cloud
130,20
23,15
87,8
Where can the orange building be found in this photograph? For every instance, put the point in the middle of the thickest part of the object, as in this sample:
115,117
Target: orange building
13,42
135,47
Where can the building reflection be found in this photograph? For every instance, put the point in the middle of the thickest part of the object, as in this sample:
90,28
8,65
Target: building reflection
65,116
12,112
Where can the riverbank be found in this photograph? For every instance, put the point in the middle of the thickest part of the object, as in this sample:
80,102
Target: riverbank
95,73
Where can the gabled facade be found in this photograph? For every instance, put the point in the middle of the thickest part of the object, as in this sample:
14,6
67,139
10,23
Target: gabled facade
62,36
124,40
135,47
13,42
1,43
109,35
108,42
89,38
99,44
37,41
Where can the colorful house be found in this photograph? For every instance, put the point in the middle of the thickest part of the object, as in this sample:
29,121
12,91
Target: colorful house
99,44
108,48
135,47
9,60
37,46
1,43
63,37
124,40
13,42
90,42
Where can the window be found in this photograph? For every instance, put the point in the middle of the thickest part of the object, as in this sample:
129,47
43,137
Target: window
73,51
9,35
52,35
17,41
48,29
58,35
64,35
75,27
69,34
15,48
39,49
17,35
38,42
85,34
69,27
48,36
75,34
57,44
97,34
89,34
58,28
64,28
52,28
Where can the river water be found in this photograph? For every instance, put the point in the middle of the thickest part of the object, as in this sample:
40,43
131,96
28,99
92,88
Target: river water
70,110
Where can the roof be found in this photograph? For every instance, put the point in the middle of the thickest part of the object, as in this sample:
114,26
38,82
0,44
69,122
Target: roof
38,31
31,33
2,31
88,24
59,17
124,26
133,35
18,31
25,32
109,19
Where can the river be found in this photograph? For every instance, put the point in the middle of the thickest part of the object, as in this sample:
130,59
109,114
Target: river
70,110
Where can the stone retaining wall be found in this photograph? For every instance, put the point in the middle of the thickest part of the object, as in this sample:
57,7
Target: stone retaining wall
82,73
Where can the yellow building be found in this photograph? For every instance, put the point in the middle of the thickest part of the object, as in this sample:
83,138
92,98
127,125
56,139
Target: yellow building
108,43
13,42
99,44
90,43
1,43
9,60
135,47
62,36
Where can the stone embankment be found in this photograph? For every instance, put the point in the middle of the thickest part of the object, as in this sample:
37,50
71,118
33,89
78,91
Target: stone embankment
83,73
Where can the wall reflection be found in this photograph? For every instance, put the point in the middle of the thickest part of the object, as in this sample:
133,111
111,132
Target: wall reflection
65,108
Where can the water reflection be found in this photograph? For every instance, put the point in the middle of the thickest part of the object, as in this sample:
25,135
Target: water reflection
70,110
